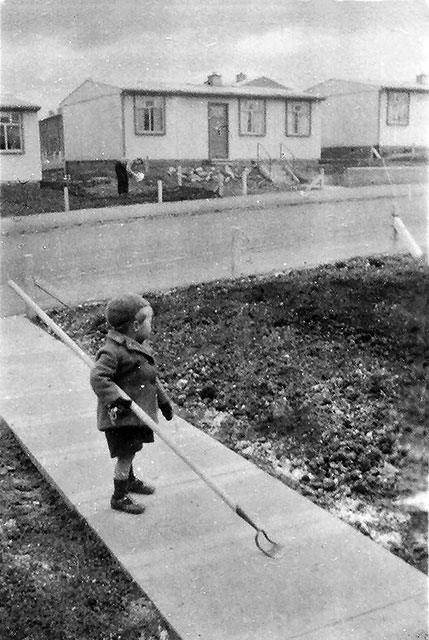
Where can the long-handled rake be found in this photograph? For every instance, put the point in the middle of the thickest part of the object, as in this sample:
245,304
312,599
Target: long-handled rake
263,541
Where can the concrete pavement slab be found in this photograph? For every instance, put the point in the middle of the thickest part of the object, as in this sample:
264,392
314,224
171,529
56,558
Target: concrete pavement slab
193,556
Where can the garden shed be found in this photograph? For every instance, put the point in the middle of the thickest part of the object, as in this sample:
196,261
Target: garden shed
52,142
19,141
187,122
389,117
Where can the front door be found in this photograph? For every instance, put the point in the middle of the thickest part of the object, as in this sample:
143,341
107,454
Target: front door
218,131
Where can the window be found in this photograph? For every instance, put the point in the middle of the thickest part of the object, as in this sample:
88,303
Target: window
149,115
252,117
11,138
298,118
398,108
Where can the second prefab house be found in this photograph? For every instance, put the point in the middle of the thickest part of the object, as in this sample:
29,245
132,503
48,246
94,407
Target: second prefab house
358,116
210,121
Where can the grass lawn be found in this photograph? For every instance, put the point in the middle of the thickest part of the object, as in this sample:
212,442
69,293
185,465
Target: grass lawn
318,376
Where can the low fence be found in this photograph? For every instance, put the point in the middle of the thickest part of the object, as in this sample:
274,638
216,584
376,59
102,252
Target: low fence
94,254
364,176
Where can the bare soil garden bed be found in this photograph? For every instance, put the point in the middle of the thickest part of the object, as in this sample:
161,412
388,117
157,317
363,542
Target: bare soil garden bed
318,376
26,199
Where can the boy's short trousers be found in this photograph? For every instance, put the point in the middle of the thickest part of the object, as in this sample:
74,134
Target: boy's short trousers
126,440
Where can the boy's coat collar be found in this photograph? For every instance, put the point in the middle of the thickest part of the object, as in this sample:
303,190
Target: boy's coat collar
130,343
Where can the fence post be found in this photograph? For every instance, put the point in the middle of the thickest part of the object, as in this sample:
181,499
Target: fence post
235,251
159,190
244,182
66,199
179,175
427,237
29,283
322,178
221,182
402,230
394,230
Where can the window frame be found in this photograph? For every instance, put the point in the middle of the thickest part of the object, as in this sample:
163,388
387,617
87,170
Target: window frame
310,118
139,132
389,123
252,134
20,125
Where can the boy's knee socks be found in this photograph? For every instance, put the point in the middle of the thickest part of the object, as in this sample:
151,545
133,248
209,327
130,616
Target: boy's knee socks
122,468
120,488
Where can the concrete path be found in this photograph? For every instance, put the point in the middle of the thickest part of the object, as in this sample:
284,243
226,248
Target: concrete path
189,552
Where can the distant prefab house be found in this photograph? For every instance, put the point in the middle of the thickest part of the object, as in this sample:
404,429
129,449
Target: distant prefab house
52,142
360,116
19,141
210,121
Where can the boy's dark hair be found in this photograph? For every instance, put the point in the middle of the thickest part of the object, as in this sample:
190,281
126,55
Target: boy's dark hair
122,310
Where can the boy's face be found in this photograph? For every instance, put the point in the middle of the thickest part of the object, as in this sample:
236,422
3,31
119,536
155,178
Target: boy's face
142,325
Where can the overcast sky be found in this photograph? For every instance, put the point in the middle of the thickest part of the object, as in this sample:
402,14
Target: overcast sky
50,46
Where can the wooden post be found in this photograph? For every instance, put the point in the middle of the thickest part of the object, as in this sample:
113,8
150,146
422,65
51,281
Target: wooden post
29,283
427,237
159,190
244,182
221,183
146,165
394,231
402,230
235,251
179,175
322,178
66,199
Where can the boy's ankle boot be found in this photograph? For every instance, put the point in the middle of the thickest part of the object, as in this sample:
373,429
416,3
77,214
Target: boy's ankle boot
121,501
138,486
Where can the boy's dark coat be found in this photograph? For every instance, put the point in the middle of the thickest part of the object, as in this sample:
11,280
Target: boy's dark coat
130,365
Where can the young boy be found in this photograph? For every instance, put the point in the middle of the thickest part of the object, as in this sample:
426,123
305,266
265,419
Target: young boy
126,360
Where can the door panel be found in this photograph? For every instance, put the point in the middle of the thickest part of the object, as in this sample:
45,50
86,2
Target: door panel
218,130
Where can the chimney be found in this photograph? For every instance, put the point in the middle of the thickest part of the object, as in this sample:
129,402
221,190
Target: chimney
422,78
214,80
240,77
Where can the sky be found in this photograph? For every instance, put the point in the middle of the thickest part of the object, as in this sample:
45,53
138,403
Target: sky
49,47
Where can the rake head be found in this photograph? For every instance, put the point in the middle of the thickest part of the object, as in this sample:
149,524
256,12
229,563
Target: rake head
267,546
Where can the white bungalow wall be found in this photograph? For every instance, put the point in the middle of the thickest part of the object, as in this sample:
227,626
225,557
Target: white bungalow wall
415,133
186,135
25,166
350,119
92,120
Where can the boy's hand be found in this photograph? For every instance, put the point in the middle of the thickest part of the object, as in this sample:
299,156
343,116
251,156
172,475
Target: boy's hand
167,410
118,409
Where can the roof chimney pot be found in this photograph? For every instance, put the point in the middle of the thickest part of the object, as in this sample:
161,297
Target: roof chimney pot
422,78
214,80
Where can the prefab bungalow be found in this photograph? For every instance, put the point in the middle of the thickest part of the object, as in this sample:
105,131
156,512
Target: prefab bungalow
189,122
357,116
19,141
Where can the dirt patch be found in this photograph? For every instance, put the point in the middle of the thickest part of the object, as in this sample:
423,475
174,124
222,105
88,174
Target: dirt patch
56,579
318,376
93,193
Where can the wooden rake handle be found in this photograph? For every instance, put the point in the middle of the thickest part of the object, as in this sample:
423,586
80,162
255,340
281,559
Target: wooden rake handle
138,411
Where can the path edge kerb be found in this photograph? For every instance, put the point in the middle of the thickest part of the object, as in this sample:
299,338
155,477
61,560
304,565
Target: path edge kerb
92,217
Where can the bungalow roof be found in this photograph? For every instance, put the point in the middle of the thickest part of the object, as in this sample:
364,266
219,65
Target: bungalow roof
336,86
250,91
8,101
262,81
